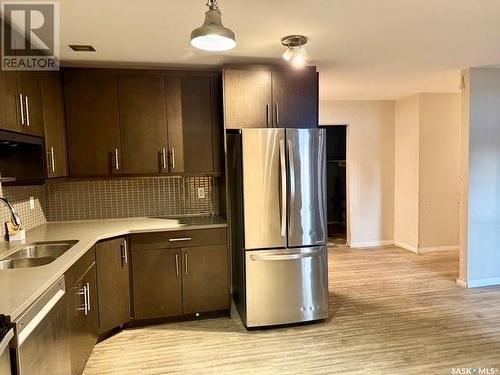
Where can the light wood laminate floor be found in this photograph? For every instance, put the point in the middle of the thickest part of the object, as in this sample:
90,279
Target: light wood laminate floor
391,312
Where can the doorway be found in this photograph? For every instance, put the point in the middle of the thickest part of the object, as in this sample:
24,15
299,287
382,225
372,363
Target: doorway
336,174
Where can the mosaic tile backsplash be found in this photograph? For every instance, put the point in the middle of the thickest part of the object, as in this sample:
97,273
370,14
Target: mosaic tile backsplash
19,196
112,198
153,196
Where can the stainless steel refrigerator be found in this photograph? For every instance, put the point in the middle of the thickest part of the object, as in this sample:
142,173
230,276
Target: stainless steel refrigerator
277,212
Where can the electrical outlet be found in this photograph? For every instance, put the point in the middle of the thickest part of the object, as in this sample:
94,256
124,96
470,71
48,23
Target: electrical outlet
201,193
32,203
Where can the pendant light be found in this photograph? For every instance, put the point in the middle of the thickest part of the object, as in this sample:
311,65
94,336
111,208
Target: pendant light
212,35
295,52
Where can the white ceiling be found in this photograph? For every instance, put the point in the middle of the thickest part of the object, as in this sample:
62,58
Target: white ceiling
365,49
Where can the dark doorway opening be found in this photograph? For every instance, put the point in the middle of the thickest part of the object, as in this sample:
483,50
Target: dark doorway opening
336,184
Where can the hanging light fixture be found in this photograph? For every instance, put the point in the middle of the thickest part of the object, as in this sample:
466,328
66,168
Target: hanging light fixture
295,52
212,35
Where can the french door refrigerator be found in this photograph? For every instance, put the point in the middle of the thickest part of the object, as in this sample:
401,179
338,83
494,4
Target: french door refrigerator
277,212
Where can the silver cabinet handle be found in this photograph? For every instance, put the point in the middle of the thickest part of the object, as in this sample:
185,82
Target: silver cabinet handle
83,292
21,106
267,114
52,159
277,114
283,187
176,264
172,154
88,297
117,163
27,111
179,239
49,161
186,262
124,249
164,158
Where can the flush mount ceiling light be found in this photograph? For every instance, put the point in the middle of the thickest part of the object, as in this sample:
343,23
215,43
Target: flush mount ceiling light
295,52
212,35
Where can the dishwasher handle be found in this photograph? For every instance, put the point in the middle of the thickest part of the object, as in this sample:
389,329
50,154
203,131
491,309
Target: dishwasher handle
27,323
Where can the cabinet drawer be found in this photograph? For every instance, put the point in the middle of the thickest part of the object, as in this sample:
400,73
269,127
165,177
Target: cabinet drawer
79,268
178,239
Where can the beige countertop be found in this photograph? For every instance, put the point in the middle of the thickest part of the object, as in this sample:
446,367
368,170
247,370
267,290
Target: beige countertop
19,288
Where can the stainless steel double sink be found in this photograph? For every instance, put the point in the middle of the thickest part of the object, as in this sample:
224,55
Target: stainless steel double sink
35,254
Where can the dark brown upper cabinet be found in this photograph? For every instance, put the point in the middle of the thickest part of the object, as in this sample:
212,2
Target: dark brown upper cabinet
143,124
295,98
138,122
21,107
29,87
113,280
247,98
270,97
92,122
9,102
193,123
55,129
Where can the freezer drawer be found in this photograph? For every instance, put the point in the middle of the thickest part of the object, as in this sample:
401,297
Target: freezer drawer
286,286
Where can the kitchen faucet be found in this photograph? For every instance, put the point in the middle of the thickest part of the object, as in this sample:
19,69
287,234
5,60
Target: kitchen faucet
15,219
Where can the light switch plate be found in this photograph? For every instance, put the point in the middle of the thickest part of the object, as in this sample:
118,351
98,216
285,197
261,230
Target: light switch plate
201,193
32,203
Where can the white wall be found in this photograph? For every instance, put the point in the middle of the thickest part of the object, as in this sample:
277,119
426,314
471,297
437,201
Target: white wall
464,176
483,200
427,172
406,172
370,154
439,166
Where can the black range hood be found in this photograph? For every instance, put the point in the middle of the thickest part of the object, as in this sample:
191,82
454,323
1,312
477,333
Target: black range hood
22,159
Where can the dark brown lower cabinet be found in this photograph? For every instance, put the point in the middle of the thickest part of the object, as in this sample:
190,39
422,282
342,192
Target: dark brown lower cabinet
157,290
205,283
114,286
81,304
172,282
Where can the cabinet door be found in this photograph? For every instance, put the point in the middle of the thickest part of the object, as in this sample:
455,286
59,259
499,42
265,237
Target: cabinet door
29,86
113,283
247,98
143,124
295,98
198,124
205,285
82,321
9,102
55,129
156,280
91,98
175,125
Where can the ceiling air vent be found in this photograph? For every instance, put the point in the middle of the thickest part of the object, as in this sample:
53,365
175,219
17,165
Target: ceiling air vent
81,48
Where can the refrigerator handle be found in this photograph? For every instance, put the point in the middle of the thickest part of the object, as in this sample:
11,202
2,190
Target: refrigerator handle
291,174
283,187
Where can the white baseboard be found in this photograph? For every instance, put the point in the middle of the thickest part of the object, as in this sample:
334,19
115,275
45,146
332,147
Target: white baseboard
461,283
382,243
437,249
402,245
483,282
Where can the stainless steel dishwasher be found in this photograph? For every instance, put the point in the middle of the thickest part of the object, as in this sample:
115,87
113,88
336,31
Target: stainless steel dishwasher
5,337
41,335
